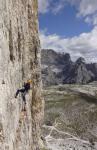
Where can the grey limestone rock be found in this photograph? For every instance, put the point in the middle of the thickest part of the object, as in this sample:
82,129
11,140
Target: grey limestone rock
19,61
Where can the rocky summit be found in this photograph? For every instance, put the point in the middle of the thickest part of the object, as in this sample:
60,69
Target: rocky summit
58,68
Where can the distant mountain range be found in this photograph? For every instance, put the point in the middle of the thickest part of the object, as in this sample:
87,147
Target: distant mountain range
58,68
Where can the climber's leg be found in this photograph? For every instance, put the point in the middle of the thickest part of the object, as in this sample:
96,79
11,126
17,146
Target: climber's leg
18,91
23,96
24,100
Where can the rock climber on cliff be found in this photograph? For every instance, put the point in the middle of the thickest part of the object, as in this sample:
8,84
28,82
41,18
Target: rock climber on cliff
24,90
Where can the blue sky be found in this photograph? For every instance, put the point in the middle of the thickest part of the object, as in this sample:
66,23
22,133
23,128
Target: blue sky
69,26
64,23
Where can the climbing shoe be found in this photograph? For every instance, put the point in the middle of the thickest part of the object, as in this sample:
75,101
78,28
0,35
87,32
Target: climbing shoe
24,109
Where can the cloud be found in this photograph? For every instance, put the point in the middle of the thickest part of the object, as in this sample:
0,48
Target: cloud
84,45
43,6
86,8
50,5
91,19
58,6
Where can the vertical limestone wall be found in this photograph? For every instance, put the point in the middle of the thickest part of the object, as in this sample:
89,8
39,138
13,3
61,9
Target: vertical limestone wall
19,61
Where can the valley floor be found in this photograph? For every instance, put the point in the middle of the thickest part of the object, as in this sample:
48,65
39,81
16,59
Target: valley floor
70,117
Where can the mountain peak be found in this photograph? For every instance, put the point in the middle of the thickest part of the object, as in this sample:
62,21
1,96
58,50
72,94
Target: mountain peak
67,57
61,69
80,60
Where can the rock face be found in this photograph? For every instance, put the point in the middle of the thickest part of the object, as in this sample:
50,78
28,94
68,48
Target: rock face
59,68
79,73
19,61
52,66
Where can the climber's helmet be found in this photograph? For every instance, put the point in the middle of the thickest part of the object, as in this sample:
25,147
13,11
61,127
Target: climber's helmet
29,81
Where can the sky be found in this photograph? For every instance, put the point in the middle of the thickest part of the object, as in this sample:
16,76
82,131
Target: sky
69,26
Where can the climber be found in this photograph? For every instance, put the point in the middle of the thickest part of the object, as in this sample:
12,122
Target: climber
24,91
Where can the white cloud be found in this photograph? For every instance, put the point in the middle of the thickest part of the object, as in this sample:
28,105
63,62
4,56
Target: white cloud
43,6
91,19
86,8
84,45
50,5
58,6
